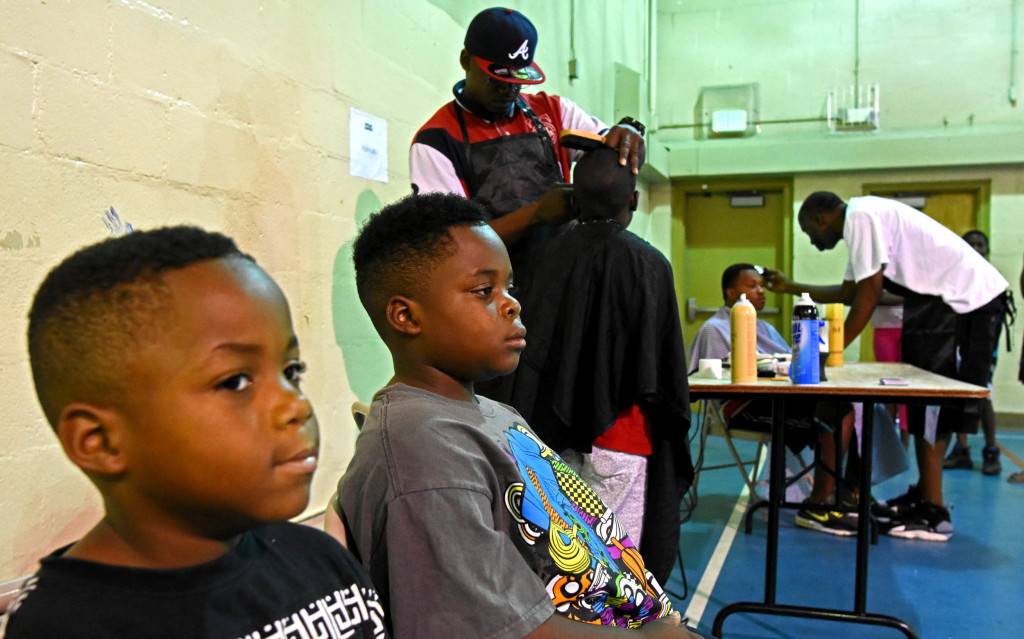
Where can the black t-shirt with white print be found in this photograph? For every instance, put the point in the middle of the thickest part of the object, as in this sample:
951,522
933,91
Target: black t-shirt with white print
282,581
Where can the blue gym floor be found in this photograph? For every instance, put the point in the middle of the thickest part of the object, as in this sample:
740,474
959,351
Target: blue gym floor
970,586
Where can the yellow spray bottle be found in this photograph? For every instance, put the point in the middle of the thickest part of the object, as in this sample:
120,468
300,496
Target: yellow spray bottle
834,316
743,333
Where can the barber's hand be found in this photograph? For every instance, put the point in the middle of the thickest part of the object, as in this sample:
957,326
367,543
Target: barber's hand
775,281
630,144
555,206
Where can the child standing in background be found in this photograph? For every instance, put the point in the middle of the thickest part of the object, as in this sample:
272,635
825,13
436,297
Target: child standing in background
960,455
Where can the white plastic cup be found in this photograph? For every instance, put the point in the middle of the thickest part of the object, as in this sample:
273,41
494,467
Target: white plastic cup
710,367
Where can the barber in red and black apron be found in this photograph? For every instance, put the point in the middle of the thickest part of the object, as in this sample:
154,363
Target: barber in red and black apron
501,147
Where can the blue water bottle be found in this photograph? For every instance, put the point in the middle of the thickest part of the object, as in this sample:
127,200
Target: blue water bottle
804,367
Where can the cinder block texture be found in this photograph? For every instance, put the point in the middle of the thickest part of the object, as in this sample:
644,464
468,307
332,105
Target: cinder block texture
86,120
16,104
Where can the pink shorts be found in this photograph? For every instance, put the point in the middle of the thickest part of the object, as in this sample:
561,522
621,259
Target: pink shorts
888,345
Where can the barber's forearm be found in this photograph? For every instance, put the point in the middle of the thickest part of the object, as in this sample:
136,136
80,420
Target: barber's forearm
512,226
820,294
867,292
855,322
888,299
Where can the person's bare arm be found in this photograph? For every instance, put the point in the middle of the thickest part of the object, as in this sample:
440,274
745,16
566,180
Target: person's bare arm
554,207
888,299
867,293
1022,282
333,525
558,627
776,282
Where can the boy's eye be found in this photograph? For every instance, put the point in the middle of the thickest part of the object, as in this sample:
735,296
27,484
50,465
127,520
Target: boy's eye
485,291
294,372
236,383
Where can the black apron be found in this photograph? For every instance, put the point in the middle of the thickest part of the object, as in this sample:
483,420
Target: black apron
508,172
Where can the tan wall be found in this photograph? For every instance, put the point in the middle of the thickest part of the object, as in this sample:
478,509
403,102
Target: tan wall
232,116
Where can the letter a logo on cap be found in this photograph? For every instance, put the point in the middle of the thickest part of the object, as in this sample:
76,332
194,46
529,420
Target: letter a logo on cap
523,50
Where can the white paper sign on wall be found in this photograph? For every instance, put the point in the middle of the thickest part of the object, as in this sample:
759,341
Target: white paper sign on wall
368,146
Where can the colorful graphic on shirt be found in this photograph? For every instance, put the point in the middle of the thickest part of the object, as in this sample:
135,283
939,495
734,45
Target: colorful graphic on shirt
602,578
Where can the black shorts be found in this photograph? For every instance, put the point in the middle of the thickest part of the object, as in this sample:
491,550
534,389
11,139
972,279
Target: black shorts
933,334
803,419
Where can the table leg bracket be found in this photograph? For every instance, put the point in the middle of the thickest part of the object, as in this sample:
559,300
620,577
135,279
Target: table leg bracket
809,613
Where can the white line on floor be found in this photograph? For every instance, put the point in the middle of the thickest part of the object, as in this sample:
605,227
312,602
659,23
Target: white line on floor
701,595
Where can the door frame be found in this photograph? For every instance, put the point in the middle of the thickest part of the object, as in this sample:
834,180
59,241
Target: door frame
682,187
981,188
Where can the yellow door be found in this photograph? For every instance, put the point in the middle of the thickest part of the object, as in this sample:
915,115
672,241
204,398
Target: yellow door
717,224
957,210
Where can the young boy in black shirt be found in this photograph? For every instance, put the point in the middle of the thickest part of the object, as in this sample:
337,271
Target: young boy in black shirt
167,364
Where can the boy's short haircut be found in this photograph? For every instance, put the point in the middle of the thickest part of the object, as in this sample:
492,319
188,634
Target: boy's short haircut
89,310
400,244
602,186
731,274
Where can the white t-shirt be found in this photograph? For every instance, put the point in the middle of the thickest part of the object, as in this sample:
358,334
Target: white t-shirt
918,253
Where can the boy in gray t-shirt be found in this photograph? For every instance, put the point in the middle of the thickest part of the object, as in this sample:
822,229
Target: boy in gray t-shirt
468,523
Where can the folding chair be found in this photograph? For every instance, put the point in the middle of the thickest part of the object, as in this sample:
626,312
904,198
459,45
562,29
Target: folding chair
359,412
715,422
9,590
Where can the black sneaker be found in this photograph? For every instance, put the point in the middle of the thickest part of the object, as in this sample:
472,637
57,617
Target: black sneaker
959,458
990,461
832,522
886,511
926,521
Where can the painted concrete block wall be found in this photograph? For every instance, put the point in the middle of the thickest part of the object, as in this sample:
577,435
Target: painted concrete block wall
949,74
942,63
232,116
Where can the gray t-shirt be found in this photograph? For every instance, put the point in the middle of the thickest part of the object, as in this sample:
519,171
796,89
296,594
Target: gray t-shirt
470,526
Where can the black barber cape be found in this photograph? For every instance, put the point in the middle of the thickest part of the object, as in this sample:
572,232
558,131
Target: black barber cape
603,334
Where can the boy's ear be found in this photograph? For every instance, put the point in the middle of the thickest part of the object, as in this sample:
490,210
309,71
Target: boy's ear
731,296
91,437
403,315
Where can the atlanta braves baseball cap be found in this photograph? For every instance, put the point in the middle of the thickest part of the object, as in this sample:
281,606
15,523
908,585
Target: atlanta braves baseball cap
502,42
